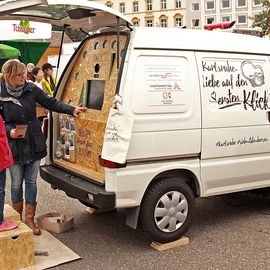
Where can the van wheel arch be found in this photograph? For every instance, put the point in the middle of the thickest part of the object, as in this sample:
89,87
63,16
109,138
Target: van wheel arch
186,176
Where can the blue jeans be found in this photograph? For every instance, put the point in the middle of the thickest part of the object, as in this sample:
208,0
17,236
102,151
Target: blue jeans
27,172
2,193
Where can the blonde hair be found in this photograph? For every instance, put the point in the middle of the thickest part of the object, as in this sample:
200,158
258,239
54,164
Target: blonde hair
11,67
30,65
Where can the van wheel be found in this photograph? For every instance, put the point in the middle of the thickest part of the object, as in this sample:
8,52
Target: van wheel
168,210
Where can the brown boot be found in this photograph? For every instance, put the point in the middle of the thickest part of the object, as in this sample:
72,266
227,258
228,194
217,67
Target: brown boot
30,211
18,206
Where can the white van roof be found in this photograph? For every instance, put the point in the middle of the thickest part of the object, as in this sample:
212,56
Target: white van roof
84,14
198,40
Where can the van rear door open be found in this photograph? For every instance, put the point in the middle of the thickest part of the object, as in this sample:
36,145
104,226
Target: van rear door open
89,80
80,14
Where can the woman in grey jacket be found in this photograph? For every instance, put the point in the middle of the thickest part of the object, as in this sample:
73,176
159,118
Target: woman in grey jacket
18,101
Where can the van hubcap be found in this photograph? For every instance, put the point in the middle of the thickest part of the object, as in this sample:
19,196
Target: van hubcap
171,211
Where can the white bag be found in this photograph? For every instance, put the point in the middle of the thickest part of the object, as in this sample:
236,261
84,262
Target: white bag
117,135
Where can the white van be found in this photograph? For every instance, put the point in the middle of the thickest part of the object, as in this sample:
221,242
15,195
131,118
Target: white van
200,104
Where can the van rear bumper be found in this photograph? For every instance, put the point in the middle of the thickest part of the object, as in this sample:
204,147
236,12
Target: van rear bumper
77,187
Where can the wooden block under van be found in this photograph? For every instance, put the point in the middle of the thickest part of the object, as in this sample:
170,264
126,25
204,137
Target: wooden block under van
11,214
181,242
17,248
94,211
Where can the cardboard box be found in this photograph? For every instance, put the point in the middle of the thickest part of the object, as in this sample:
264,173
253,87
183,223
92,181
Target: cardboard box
55,222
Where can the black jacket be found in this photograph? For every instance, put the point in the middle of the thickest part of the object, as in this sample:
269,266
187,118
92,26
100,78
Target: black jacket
33,146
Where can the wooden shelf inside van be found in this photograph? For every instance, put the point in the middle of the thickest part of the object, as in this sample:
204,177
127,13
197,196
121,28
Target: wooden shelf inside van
80,170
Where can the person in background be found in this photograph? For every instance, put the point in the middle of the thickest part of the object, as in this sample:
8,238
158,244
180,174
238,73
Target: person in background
6,160
49,82
18,98
36,78
29,68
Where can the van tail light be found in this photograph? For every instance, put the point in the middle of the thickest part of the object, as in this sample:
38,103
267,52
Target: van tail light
222,25
44,127
110,164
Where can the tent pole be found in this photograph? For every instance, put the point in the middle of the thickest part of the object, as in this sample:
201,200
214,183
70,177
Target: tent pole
117,56
60,52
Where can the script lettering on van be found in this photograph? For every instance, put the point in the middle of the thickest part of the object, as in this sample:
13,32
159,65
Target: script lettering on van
236,83
242,141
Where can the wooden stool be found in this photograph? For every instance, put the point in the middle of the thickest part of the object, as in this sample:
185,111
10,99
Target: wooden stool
17,248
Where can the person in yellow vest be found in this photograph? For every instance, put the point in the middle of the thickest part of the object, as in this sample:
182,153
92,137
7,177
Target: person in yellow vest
48,81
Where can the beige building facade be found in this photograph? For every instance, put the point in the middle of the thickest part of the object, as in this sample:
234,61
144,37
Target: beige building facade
151,13
188,13
201,12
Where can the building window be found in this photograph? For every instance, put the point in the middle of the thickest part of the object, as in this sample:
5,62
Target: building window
196,22
226,19
256,17
163,22
210,5
241,3
226,4
242,19
210,20
178,22
109,4
122,7
163,4
195,6
135,22
135,6
149,23
178,4
257,2
149,5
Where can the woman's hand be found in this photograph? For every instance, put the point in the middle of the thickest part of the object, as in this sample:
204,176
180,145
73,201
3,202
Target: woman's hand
14,134
78,110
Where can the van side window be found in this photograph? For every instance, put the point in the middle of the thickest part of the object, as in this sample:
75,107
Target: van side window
160,84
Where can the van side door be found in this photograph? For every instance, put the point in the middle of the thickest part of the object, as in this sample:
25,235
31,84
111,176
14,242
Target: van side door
235,152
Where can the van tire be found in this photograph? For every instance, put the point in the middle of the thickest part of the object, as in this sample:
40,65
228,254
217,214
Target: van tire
176,222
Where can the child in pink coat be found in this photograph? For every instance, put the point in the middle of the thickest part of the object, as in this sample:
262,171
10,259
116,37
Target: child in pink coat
6,161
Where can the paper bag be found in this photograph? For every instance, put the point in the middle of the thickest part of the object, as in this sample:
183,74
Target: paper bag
117,135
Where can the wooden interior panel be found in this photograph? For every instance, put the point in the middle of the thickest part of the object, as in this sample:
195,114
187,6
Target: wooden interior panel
81,139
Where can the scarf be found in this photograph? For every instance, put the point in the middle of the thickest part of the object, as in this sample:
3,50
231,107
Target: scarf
14,91
51,82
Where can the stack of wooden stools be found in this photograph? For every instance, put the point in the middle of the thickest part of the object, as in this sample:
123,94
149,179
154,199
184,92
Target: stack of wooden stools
16,246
